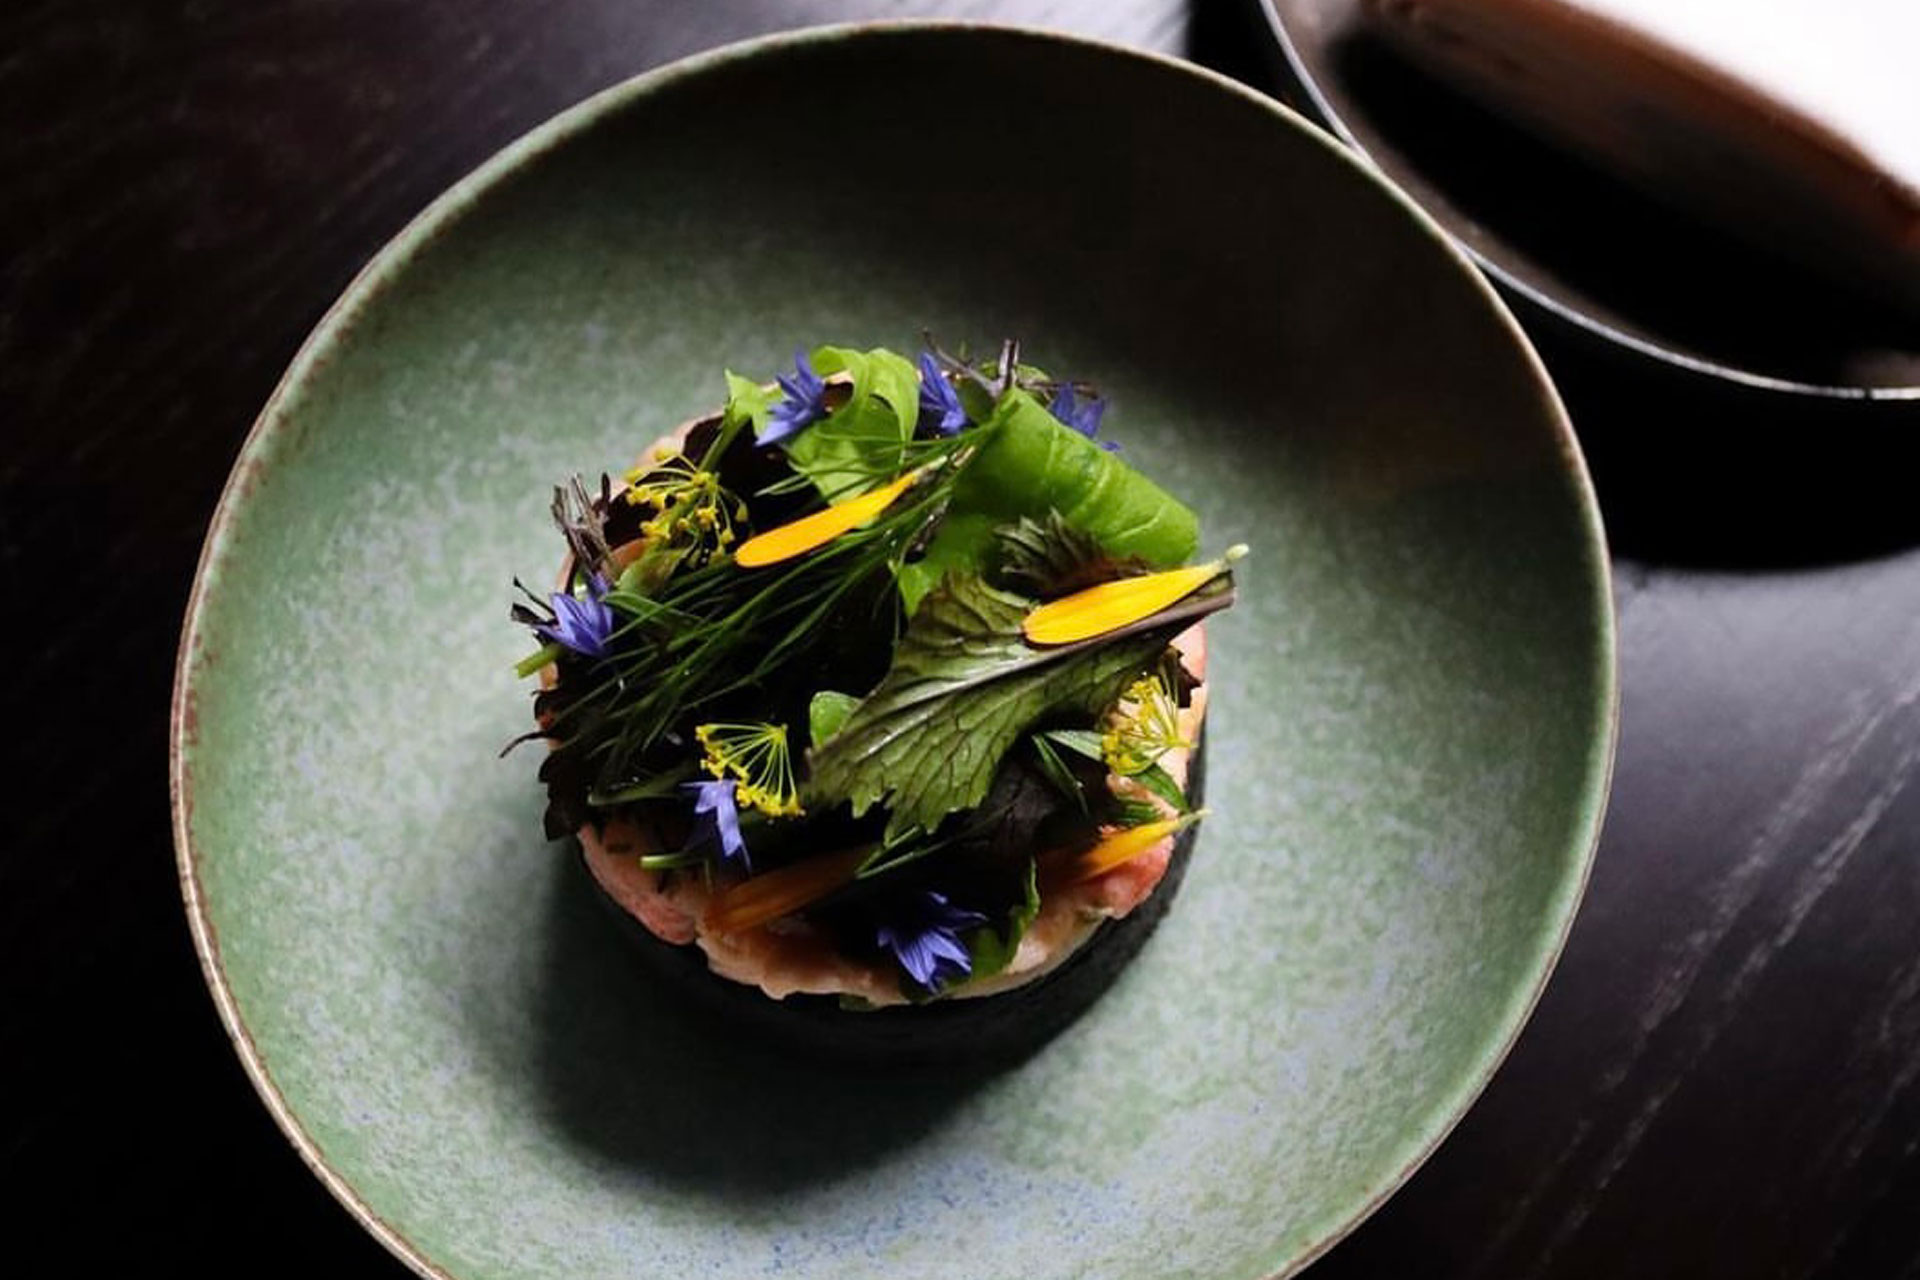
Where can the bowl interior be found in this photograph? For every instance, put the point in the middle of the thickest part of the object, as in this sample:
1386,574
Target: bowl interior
1581,243
1409,745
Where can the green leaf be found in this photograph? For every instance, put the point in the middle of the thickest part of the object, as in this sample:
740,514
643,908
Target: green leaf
1057,773
964,685
976,846
627,600
862,444
976,398
993,949
1026,461
826,712
960,546
1154,778
1049,558
1157,780
896,381
1084,741
747,401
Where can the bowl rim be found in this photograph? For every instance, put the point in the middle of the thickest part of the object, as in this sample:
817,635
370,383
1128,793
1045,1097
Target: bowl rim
1324,114
448,208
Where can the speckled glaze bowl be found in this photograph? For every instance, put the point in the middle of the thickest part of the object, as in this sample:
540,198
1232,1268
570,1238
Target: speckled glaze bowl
1409,746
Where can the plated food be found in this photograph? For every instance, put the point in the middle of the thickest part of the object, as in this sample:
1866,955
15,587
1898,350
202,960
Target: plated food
881,686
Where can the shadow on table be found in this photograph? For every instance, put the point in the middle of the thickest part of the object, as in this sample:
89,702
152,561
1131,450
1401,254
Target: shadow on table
626,1071
1733,478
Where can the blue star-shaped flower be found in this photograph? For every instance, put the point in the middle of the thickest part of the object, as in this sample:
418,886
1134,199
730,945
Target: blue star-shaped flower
925,938
939,402
1082,415
718,820
804,401
584,626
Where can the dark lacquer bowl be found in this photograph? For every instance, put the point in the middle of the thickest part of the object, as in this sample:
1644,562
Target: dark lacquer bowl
1722,395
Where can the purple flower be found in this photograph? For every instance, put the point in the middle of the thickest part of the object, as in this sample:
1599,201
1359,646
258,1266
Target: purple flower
804,402
925,938
938,400
718,820
1082,415
583,626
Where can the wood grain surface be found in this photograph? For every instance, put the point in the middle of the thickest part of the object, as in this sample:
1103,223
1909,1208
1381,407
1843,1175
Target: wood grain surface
1720,1081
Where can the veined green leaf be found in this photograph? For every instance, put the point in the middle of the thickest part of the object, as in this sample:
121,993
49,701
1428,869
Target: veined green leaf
827,710
862,444
1027,460
1001,833
1049,558
964,685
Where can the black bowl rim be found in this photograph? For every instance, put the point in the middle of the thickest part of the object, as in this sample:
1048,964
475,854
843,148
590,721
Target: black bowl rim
1323,114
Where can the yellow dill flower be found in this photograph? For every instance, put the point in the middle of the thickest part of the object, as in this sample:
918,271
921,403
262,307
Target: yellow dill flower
690,505
755,755
1144,726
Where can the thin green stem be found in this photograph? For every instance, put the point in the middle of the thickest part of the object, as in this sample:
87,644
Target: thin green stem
534,661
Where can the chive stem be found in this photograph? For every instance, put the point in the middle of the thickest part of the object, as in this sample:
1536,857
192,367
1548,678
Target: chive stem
534,661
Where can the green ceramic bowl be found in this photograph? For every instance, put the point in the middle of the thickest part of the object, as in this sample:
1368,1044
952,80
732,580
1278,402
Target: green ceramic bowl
1409,748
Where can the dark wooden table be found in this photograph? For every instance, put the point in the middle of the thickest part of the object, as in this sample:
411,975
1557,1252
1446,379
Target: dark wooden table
1721,1080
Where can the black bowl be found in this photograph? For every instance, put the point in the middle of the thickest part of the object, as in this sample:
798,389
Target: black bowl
1718,392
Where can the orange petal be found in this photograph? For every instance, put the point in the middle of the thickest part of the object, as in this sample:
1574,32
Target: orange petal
753,902
803,535
1113,605
1121,847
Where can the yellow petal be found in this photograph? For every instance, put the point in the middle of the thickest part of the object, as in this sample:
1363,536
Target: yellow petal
753,902
1122,847
808,532
1113,605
